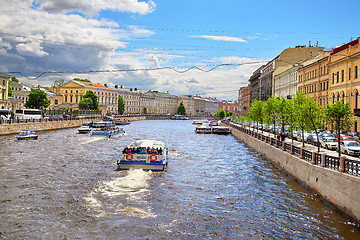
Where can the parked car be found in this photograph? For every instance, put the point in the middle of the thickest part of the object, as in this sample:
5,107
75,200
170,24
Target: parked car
352,134
329,143
299,136
312,139
347,138
350,148
326,134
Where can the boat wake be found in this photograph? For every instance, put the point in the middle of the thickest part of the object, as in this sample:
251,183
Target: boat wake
123,195
90,140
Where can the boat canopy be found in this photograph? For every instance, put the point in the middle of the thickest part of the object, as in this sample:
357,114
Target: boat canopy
147,143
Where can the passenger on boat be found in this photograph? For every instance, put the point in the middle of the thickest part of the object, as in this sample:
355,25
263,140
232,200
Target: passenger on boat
125,150
159,150
143,151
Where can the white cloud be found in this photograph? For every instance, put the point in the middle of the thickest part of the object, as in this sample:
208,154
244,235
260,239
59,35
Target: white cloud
220,38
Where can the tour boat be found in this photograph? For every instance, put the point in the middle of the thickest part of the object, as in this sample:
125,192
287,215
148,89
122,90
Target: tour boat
199,122
84,129
107,132
122,122
144,154
220,130
27,134
203,128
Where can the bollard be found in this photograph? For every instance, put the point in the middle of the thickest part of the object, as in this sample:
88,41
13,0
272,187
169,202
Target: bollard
292,149
323,156
313,158
342,164
301,153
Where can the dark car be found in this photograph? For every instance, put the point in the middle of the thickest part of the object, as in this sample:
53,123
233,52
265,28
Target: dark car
312,139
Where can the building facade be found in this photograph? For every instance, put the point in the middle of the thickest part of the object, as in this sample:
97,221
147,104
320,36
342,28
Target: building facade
4,91
254,85
344,78
313,78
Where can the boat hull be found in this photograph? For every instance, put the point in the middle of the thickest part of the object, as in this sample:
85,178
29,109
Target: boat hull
153,166
26,137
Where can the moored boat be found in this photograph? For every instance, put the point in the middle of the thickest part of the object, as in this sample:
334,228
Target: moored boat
144,154
27,134
84,129
122,122
203,128
220,130
107,132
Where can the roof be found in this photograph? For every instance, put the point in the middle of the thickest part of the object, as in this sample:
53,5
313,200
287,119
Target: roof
89,84
343,47
147,143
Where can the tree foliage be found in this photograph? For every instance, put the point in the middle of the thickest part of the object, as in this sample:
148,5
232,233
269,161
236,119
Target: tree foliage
181,109
121,105
89,101
256,112
340,115
229,114
37,99
221,113
58,83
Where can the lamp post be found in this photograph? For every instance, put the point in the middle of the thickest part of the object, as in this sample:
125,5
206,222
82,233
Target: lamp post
355,124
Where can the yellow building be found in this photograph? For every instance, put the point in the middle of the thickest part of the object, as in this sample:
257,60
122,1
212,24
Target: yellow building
344,78
4,88
73,91
313,78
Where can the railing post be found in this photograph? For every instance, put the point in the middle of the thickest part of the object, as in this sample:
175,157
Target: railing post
270,140
323,156
342,164
313,158
277,142
301,153
283,145
292,149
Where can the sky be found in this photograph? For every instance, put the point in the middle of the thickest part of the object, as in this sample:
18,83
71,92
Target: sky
185,47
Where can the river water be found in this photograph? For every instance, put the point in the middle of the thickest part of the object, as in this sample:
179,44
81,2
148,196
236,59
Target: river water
64,186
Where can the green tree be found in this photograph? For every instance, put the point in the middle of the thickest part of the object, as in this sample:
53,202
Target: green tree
340,114
121,105
270,112
314,115
229,114
37,99
291,116
281,112
256,112
181,109
301,116
89,101
58,83
221,113
10,91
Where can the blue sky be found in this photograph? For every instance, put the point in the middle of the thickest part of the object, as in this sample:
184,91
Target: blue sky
130,42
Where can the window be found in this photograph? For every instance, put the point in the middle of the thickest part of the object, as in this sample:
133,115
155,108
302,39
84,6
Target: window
337,77
356,72
333,78
56,101
342,75
349,73
65,98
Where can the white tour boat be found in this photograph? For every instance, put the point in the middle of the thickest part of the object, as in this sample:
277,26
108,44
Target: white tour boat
144,154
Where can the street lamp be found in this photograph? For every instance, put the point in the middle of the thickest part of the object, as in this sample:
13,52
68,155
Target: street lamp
355,124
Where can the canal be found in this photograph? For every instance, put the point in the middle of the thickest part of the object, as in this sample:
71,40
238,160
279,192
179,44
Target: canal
64,186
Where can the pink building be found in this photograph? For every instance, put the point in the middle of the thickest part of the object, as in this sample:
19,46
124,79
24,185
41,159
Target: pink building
229,106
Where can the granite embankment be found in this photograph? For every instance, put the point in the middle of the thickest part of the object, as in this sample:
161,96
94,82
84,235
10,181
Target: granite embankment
336,180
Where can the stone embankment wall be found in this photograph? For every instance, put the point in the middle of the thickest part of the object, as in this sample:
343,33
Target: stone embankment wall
338,188
15,128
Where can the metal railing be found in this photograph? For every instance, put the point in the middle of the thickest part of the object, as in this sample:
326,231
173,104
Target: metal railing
351,167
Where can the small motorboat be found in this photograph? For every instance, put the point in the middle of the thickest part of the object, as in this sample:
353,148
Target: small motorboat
84,129
27,134
220,130
122,122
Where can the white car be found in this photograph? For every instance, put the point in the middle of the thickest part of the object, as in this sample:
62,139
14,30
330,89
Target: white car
329,143
350,148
